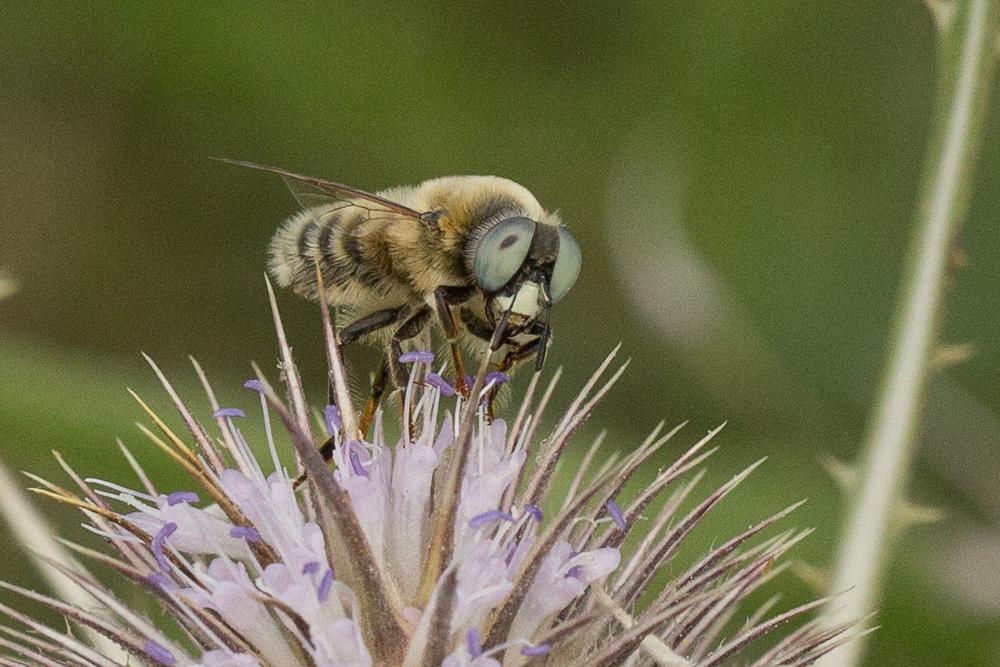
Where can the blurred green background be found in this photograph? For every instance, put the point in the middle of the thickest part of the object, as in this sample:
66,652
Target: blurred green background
741,177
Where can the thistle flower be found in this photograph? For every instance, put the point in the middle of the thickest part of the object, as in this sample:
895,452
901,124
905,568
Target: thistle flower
448,547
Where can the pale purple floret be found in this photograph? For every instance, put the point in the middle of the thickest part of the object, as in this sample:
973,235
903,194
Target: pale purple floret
472,639
492,516
178,497
496,377
536,651
158,653
325,585
331,415
534,511
161,536
439,383
356,464
421,356
254,385
245,533
509,556
616,515
228,412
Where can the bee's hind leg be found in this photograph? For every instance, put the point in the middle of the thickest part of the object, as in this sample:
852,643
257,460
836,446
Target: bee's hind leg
348,334
379,381
361,327
444,298
411,328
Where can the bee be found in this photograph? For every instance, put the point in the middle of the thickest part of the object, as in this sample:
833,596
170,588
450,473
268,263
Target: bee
475,256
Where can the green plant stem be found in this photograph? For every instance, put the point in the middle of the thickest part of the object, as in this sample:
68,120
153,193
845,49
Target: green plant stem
967,41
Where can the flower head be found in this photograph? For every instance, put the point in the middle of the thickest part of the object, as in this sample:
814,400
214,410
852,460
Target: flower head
443,547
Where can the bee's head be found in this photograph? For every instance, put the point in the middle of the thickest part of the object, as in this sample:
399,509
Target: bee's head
522,268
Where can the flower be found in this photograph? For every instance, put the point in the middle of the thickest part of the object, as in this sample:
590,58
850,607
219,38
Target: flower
443,547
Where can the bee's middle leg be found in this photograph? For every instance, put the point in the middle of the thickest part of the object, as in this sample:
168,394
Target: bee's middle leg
444,298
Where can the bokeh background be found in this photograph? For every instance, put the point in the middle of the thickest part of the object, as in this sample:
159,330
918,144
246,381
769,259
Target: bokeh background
741,177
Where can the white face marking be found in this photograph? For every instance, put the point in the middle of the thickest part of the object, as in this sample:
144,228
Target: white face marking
525,301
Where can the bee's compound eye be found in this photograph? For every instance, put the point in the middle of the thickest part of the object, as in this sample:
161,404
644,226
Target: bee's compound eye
567,266
502,251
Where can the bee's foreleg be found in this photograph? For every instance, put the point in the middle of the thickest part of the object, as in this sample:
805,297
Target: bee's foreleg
519,354
444,298
514,357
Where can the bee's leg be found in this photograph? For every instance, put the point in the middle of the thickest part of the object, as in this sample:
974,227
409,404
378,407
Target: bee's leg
374,397
364,422
475,326
365,325
349,333
444,298
412,327
370,323
514,357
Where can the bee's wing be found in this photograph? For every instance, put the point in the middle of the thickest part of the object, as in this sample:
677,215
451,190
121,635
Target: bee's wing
310,191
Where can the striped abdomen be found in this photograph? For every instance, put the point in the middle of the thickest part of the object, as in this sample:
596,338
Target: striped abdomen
348,243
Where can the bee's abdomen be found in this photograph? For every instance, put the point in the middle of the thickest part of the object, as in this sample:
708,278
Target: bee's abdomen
347,244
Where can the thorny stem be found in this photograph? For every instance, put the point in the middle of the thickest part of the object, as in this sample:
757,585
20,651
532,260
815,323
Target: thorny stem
651,645
967,43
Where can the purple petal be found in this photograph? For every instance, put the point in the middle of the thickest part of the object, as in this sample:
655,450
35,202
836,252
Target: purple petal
417,355
158,653
254,385
472,639
496,377
616,515
439,383
178,497
356,464
244,533
470,381
491,516
332,417
536,651
160,580
534,511
161,536
511,550
312,567
228,412
325,585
